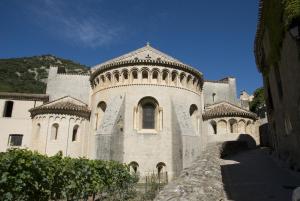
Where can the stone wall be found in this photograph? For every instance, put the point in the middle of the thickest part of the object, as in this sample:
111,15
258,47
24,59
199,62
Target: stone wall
283,101
201,181
74,85
224,90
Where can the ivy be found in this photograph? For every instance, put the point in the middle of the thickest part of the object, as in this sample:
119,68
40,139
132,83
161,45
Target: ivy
27,175
279,17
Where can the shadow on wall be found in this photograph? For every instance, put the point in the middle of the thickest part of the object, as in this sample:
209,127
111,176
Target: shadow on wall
264,135
244,142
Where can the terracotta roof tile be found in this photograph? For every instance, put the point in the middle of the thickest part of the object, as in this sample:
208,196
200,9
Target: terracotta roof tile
224,109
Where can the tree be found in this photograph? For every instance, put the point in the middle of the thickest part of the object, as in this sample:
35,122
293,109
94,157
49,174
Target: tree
258,100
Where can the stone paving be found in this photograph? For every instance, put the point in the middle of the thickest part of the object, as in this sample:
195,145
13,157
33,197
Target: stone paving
251,175
255,176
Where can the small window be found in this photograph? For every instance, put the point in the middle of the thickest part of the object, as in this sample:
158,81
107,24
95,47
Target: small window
134,74
125,75
134,165
155,75
54,131
213,97
8,108
214,126
174,76
15,140
145,74
160,167
165,75
38,129
148,116
75,133
117,77
102,106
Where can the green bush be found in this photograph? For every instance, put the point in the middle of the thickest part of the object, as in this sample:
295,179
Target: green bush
27,175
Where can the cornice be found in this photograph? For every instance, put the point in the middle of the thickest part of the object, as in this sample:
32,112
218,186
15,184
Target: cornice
145,62
24,96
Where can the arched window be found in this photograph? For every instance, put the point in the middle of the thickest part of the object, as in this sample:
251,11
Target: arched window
108,76
148,115
101,107
116,75
102,78
134,166
214,97
54,131
38,129
194,116
213,125
174,77
182,79
154,75
145,74
160,167
165,76
125,75
134,75
193,109
75,133
8,108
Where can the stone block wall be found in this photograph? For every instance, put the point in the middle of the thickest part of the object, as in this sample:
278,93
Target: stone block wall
202,181
74,85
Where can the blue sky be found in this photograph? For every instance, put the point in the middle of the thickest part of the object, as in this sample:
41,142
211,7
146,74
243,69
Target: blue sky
216,37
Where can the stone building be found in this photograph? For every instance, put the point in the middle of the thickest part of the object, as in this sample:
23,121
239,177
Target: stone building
144,108
277,57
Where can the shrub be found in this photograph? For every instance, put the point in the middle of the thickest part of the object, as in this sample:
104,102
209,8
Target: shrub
27,175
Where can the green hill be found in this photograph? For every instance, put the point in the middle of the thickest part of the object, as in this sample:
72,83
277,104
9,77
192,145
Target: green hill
29,74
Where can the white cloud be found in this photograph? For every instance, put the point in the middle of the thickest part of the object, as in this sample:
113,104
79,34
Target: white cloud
76,22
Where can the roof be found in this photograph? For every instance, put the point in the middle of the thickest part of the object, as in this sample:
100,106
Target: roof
65,105
146,55
24,96
225,109
147,52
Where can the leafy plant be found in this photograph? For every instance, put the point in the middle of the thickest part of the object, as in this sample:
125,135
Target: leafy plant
258,100
27,175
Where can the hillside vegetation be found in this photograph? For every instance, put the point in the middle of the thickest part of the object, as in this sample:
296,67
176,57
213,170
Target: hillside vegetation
29,74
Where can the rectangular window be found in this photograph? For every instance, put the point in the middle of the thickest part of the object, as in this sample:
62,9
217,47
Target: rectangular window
15,140
8,108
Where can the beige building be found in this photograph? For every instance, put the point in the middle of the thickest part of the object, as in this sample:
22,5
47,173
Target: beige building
277,58
144,108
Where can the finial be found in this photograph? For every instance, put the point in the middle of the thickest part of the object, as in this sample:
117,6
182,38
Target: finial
148,44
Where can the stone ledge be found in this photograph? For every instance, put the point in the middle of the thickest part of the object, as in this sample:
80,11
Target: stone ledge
201,181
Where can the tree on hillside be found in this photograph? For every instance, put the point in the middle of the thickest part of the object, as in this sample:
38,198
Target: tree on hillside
258,100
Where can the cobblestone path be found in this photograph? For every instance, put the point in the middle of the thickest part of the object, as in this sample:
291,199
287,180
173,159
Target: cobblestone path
255,176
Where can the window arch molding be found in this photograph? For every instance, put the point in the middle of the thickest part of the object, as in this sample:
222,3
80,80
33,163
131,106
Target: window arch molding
75,133
54,131
148,115
134,166
100,110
